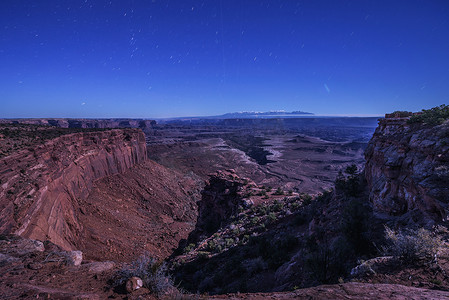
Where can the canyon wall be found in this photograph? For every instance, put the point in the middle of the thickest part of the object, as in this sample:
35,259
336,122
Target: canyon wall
41,187
407,169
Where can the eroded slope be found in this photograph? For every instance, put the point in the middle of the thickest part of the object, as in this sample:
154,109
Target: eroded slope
41,187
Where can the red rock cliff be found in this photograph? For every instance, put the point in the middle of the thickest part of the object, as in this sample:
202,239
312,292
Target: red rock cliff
407,169
40,187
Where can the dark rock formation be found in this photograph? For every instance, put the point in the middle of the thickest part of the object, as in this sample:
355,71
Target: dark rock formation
221,198
40,188
407,168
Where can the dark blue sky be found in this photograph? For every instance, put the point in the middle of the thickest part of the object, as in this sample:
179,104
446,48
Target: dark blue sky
165,58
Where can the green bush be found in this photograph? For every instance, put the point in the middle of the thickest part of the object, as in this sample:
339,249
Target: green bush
189,248
214,246
433,116
401,113
272,217
279,191
306,198
277,206
229,242
254,221
262,210
295,205
412,246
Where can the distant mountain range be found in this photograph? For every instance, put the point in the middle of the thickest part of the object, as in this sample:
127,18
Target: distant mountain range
255,114
251,115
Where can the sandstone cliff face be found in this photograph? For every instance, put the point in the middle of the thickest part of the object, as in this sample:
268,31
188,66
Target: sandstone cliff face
40,188
407,168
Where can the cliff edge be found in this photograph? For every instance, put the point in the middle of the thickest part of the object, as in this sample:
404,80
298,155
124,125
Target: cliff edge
407,169
41,187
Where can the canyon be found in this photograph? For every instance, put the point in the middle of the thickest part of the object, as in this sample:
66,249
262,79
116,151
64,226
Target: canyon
231,205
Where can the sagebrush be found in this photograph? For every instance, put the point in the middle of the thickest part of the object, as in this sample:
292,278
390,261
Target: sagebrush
153,273
412,246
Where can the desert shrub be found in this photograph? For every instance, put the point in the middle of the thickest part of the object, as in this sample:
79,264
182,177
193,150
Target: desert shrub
189,248
295,205
213,246
412,246
433,116
324,197
255,220
277,206
229,242
401,113
246,238
349,184
235,231
154,274
262,210
306,199
272,217
279,191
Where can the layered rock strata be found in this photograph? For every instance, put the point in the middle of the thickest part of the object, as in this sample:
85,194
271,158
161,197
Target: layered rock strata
41,187
407,168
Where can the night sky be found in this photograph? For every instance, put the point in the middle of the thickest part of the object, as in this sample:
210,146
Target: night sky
161,58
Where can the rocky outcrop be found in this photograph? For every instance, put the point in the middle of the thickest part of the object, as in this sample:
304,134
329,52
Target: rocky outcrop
407,169
221,198
41,187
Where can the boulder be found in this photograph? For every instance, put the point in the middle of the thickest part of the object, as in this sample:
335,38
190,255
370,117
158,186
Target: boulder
369,267
99,267
74,258
134,283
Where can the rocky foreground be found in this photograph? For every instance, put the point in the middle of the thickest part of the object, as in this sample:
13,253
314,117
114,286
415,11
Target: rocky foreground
32,269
